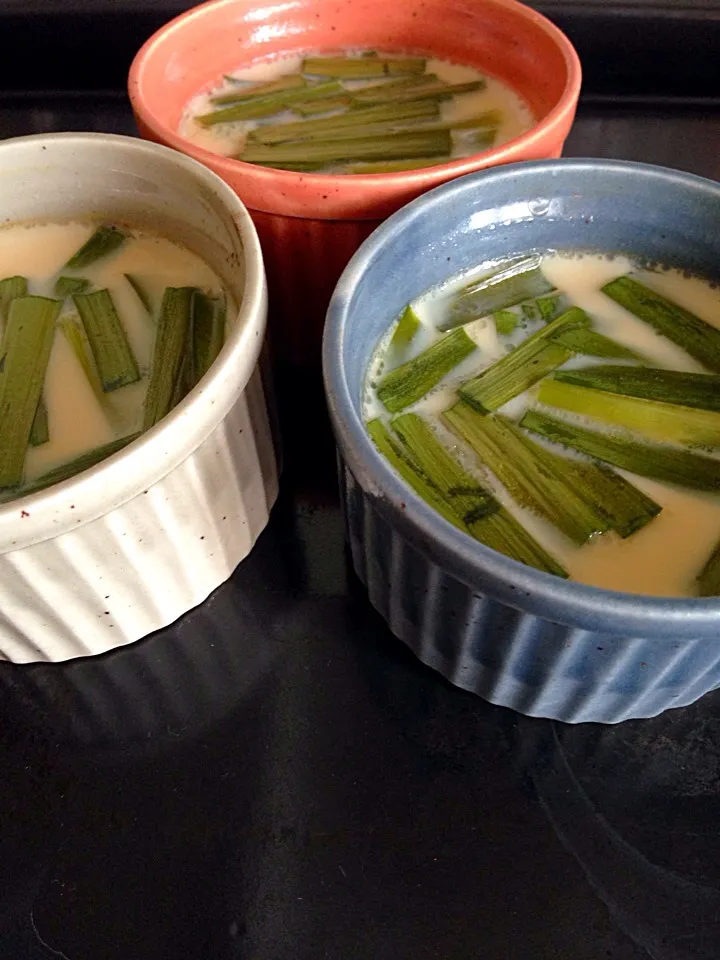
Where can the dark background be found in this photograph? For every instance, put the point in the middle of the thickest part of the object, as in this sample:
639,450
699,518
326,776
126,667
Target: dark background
275,777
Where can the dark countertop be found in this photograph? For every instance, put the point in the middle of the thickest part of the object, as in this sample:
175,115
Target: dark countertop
276,778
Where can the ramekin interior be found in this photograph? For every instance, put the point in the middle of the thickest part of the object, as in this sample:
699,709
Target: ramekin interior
84,175
656,214
502,37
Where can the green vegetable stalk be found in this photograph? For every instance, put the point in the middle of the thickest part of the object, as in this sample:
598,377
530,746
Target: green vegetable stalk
665,422
102,243
25,351
524,366
518,281
409,382
114,360
700,339
665,464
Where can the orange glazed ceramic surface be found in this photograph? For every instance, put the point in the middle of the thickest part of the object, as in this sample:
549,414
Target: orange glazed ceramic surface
304,253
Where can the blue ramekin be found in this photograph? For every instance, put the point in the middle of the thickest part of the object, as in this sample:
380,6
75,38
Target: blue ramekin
520,638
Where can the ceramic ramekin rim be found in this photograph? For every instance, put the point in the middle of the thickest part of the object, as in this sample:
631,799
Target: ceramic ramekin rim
617,613
99,490
424,178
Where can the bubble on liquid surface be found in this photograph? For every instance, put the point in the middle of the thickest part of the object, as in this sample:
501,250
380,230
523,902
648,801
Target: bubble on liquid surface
539,207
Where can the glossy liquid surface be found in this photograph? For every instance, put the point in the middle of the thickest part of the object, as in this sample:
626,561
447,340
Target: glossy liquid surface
228,139
80,420
664,557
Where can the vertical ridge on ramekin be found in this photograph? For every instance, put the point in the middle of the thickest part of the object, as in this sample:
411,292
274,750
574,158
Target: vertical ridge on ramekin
512,658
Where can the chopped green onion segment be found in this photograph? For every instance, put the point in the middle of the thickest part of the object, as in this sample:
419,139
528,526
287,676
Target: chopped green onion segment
665,422
698,338
407,326
266,106
26,345
663,463
102,243
412,380
67,286
388,147
10,288
115,362
169,353
521,280
252,91
530,474
329,127
529,362
701,390
481,514
208,333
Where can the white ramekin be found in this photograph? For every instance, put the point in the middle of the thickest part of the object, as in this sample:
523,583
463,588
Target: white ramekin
127,547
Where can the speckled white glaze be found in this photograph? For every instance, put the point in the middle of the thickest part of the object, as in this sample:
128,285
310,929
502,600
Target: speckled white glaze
127,547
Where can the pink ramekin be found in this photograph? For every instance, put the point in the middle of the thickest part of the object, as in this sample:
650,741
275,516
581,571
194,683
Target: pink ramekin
311,224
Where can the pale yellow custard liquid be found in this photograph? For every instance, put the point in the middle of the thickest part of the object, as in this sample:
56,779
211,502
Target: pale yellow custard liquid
78,420
664,557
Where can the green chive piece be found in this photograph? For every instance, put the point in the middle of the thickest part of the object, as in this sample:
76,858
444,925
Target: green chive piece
466,496
380,128
505,321
115,362
170,347
701,390
242,94
665,422
485,519
74,332
407,326
268,105
10,288
412,380
140,292
395,166
358,68
102,243
310,108
431,471
698,338
518,281
708,580
384,92
40,431
86,460
67,286
666,464
502,532
389,147
329,127
423,91
399,458
526,470
594,344
545,309
208,333
26,345
529,362
626,508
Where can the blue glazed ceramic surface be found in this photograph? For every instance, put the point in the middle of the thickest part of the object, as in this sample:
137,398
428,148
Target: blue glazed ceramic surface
518,637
